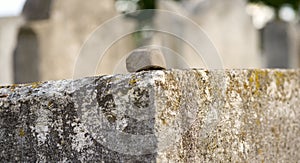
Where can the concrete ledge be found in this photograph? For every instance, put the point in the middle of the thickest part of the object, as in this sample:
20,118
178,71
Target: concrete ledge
155,116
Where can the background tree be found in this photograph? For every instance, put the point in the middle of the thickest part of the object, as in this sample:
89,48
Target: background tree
276,4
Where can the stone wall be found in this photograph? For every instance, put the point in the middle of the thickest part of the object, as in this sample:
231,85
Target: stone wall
155,116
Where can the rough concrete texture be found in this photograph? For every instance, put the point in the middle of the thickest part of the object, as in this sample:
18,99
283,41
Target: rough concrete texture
155,116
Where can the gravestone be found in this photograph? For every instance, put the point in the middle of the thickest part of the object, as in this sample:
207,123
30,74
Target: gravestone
294,59
37,10
226,24
64,27
26,57
8,37
276,44
298,43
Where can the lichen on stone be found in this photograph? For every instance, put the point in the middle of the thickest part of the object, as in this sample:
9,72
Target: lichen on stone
154,116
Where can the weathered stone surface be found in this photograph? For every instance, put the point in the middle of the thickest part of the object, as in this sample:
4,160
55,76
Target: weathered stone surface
155,116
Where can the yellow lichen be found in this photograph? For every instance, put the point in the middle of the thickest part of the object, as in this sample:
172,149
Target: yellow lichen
257,122
133,81
256,78
35,85
164,121
259,151
12,87
279,77
50,104
21,132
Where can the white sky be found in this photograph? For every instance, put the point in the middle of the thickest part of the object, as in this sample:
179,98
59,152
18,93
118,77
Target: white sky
11,7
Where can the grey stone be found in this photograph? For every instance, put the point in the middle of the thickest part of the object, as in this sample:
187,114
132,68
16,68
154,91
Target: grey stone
26,52
154,116
37,10
280,45
275,37
8,37
145,59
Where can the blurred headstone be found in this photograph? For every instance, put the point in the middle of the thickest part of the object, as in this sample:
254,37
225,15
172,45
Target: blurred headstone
226,24
294,40
296,62
280,45
62,29
8,37
37,9
26,58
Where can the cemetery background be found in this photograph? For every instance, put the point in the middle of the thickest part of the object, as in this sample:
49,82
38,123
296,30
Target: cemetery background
44,42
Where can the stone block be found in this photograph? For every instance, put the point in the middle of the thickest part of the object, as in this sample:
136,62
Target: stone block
154,116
